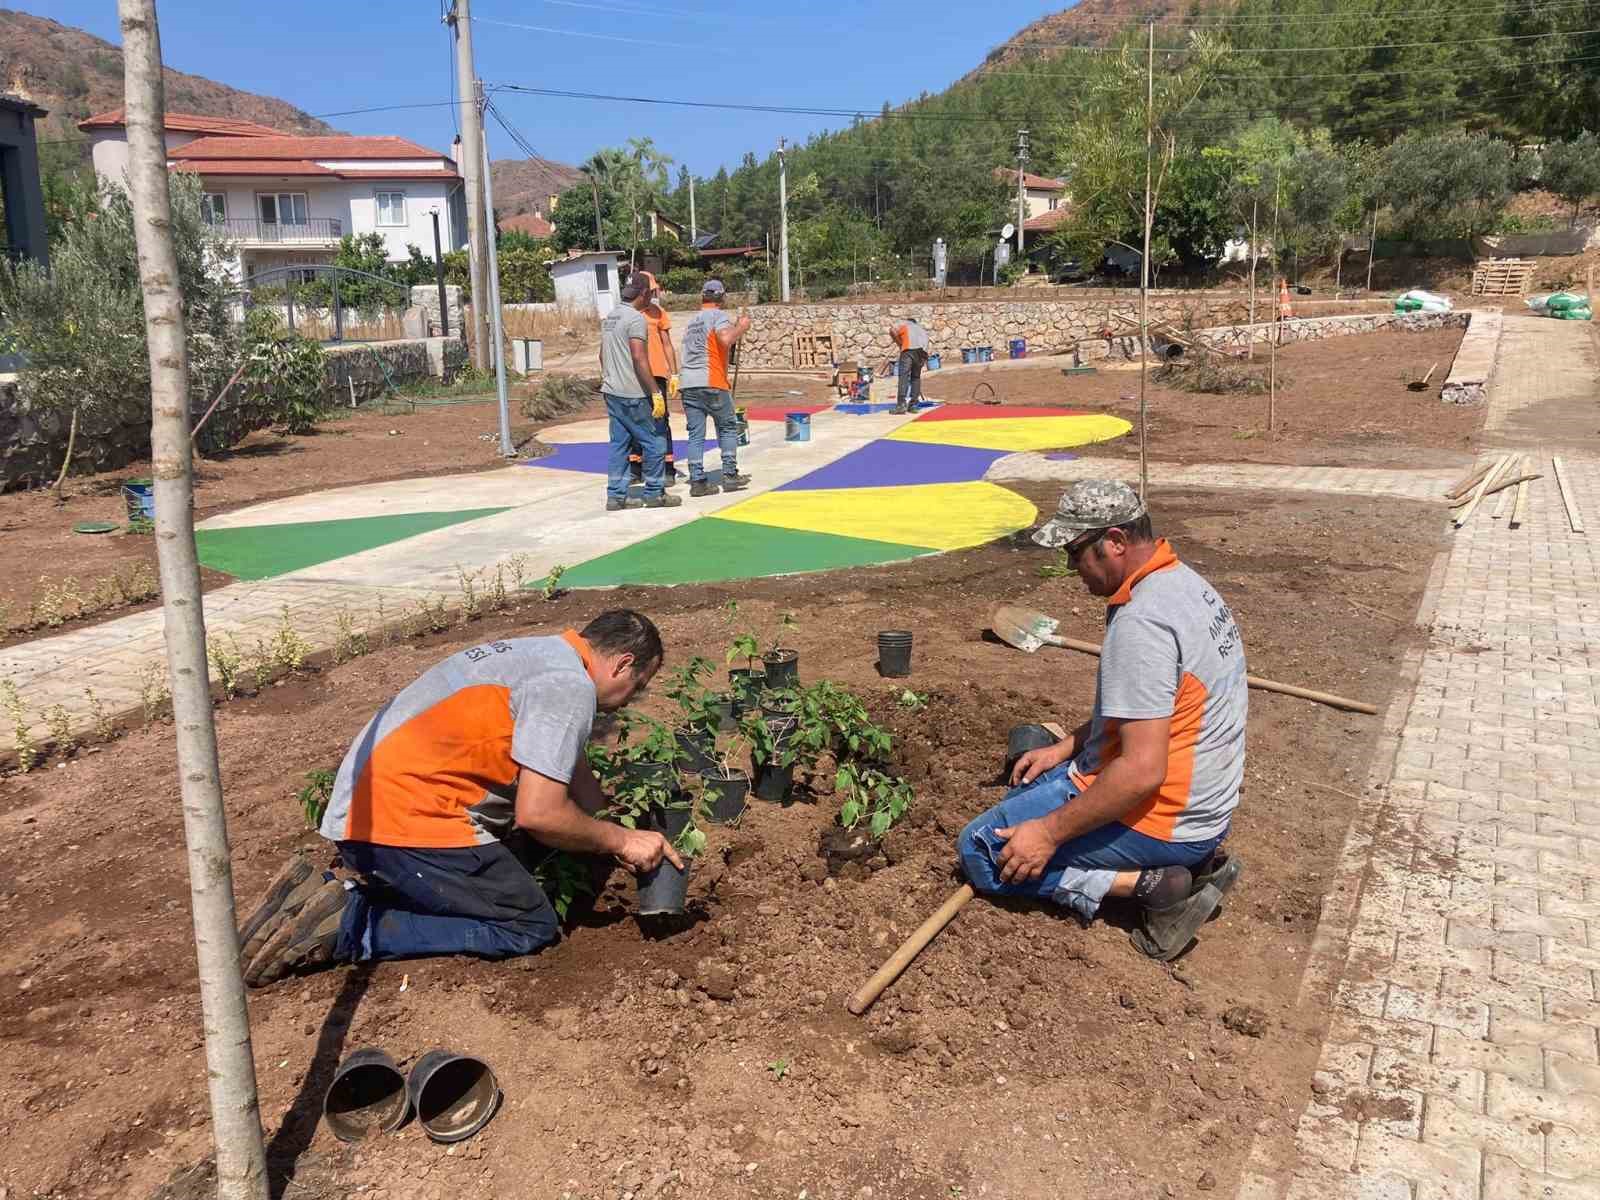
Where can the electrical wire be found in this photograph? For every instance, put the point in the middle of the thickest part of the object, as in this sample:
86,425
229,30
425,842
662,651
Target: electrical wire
604,37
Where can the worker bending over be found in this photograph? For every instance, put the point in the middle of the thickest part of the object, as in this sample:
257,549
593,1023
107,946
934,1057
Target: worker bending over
449,798
708,342
1137,801
912,340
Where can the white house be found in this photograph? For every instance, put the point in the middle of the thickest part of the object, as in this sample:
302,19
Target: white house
1041,195
586,280
287,201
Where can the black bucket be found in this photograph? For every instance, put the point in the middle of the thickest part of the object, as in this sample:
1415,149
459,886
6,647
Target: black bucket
894,653
699,750
726,794
783,669
1022,739
454,1094
650,774
785,707
727,716
662,892
367,1093
774,783
745,685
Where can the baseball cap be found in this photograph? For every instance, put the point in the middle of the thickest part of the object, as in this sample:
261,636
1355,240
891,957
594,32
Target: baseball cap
713,287
638,284
1089,504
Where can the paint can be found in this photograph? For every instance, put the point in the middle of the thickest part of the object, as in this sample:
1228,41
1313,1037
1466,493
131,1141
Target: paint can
933,362
985,353
1019,347
741,421
797,427
969,354
864,375
139,495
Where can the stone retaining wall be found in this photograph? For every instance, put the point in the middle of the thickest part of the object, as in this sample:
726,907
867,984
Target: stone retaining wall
405,361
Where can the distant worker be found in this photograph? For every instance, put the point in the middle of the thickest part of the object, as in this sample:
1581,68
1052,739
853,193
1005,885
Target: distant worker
912,339
664,369
708,342
1137,800
632,401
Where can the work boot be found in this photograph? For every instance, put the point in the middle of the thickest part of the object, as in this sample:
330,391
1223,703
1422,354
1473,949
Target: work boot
734,482
900,410
703,487
663,501
1220,868
256,933
295,872
615,505
306,941
1165,933
673,478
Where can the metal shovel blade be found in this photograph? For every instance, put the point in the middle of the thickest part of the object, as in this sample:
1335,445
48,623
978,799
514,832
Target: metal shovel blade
1024,628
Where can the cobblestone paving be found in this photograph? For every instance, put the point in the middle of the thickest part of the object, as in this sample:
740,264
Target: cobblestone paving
1463,1055
1413,485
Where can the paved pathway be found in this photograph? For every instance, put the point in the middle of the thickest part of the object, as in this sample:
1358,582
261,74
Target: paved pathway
1463,1058
1413,485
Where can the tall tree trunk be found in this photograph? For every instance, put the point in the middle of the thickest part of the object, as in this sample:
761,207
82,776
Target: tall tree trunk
230,1067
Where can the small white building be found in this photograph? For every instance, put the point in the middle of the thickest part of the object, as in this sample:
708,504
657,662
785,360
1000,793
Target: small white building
1041,195
286,201
586,281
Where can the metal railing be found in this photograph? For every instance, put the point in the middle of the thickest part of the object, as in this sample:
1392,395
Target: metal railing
312,229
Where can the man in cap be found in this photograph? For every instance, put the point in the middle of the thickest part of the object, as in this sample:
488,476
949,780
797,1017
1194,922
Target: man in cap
708,342
632,401
664,370
912,340
1136,801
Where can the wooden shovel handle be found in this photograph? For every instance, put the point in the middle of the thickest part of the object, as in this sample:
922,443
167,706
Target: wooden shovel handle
909,949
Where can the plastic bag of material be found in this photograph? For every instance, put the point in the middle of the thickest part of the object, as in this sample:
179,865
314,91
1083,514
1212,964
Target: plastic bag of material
1583,313
1565,306
1417,300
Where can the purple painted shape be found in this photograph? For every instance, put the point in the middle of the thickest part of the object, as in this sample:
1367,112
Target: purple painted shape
898,464
592,457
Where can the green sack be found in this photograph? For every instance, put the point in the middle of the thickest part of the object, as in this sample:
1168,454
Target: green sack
1572,314
1562,301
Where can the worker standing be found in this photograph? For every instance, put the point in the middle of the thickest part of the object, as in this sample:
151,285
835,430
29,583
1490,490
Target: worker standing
912,340
708,342
632,401
664,369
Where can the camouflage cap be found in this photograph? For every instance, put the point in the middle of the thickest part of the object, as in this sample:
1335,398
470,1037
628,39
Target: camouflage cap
1089,504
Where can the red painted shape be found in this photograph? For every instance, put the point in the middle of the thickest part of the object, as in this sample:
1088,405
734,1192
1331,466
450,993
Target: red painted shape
996,412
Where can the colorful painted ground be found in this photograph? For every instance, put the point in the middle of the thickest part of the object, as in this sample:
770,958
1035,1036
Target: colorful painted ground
918,490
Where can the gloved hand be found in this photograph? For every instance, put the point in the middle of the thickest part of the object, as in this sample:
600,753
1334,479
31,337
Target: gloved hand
658,406
674,387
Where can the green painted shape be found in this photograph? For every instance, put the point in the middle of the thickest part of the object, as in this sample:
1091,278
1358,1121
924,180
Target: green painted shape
265,551
712,551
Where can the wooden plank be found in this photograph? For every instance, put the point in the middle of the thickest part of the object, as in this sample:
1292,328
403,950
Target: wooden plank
1574,517
1465,514
1503,493
1519,510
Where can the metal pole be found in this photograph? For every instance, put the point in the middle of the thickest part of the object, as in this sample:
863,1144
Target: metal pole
1250,343
507,450
783,226
338,309
1022,191
1144,265
599,231
694,230
1277,310
438,275
460,20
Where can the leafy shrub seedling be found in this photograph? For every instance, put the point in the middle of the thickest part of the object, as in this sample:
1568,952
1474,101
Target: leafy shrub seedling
315,795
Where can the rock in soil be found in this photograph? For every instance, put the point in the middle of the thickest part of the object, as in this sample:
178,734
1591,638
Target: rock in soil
1251,1022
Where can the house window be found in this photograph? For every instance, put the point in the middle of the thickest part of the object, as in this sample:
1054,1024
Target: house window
602,281
214,207
282,208
1053,202
391,208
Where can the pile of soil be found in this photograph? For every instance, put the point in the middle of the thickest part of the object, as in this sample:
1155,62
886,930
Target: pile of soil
1021,1055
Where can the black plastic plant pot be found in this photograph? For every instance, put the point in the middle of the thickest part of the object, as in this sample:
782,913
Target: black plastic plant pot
774,783
663,891
367,1093
745,685
727,713
650,774
454,1094
726,794
782,669
1022,739
780,708
699,748
894,653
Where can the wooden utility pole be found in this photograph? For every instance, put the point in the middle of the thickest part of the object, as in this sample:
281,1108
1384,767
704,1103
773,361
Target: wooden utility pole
1250,342
1022,188
230,1066
1372,244
1277,319
497,315
1144,266
478,217
694,229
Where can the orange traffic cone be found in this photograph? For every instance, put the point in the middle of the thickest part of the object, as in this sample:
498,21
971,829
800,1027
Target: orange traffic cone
1284,311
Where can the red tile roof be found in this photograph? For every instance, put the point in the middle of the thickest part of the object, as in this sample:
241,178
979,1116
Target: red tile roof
185,123
1037,183
305,148
249,166
1047,221
531,224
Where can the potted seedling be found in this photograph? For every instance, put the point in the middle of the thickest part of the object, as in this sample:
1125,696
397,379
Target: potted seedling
663,890
782,663
703,713
771,753
724,792
642,770
745,683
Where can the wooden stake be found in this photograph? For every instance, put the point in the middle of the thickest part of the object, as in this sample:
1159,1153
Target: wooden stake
1574,517
1505,481
1465,514
1468,483
1144,268
1503,491
909,949
1520,509
1250,342
1277,317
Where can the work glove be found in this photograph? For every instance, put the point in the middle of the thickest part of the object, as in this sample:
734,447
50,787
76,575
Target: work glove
658,406
674,387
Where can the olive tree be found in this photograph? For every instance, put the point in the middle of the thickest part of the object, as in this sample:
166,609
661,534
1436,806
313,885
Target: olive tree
1447,184
1571,169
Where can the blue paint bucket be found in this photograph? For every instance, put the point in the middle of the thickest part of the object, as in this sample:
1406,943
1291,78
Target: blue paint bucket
863,374
985,353
933,362
969,354
797,427
140,497
1019,347
741,422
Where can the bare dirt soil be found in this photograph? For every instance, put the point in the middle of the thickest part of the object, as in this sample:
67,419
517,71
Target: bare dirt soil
1342,402
1021,1056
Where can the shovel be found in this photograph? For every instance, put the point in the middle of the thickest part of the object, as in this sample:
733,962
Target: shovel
1028,629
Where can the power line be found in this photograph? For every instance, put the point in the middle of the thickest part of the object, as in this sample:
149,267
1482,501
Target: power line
671,13
604,37
353,112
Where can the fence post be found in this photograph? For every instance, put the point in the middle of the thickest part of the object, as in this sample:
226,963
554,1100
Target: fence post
288,300
338,310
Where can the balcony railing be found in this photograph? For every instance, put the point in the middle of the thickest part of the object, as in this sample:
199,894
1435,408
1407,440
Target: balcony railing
311,230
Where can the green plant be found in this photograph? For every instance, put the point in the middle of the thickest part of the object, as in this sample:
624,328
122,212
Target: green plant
225,661
352,642
289,649
552,582
871,794
471,606
786,625
497,590
104,729
435,613
153,691
21,735
519,569
912,701
315,795
640,739
691,840
564,878
779,1068
700,706
284,371
1059,568
59,723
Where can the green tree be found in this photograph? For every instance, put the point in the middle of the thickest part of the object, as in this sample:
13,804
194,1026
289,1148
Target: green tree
1571,169
1447,185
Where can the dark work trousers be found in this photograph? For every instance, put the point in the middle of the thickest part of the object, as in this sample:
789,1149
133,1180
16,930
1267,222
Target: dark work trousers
909,372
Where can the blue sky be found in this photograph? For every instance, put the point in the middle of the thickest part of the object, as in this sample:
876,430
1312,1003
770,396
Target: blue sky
344,54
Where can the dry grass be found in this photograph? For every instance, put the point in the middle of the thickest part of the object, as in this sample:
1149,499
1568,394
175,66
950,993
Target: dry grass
386,327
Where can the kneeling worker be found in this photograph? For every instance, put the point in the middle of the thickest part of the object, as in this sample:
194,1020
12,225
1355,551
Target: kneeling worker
437,798
1135,802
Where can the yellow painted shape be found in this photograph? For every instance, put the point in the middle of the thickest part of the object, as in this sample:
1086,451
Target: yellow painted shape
1016,433
939,516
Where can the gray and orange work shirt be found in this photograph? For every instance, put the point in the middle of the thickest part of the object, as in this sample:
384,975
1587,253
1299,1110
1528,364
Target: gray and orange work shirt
438,766
911,336
1172,649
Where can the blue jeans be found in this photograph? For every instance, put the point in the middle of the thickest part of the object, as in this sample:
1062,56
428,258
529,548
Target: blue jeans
631,422
1081,871
477,900
716,403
